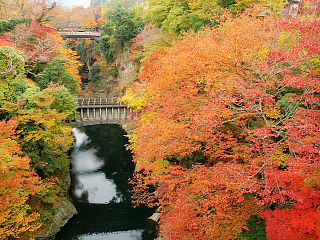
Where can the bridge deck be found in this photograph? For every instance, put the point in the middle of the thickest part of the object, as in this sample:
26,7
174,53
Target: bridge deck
81,34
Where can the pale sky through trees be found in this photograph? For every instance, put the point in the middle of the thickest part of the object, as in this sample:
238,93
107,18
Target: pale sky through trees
70,3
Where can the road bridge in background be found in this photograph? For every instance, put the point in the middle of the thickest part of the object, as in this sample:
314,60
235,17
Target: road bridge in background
75,34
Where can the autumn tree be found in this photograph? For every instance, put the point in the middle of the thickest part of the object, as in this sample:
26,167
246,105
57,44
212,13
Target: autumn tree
180,16
38,10
9,24
42,44
241,101
119,28
18,182
55,72
293,186
90,19
11,83
149,39
40,144
188,118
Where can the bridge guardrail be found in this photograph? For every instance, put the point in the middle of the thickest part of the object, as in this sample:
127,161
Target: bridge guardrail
85,102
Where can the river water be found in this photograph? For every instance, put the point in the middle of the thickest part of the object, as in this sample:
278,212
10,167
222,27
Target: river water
101,167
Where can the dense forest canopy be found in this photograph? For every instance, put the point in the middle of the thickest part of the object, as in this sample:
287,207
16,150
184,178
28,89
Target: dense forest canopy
39,78
228,127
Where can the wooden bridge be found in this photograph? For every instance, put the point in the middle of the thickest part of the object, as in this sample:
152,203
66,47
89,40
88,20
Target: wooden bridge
94,111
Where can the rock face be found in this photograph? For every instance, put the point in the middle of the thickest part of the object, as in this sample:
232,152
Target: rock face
113,85
127,67
62,215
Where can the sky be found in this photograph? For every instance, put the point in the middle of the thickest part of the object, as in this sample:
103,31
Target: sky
70,3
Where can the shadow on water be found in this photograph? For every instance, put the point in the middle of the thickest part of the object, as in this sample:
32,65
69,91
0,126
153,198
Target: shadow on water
101,167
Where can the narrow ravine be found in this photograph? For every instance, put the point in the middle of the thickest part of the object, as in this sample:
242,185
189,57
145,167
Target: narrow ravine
101,168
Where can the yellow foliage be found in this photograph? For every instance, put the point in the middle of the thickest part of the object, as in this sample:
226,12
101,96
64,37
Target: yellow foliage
134,99
72,63
28,80
275,5
273,112
19,222
288,40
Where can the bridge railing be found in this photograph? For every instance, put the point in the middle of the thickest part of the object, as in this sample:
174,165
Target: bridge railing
96,102
81,34
99,110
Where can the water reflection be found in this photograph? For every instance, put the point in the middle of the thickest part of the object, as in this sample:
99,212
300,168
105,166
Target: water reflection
101,169
95,188
91,185
132,235
86,161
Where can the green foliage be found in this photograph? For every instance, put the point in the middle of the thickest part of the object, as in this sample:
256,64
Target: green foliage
241,5
114,72
180,16
87,51
40,114
106,48
188,161
55,72
44,144
81,49
7,25
95,74
256,231
120,27
62,100
11,73
11,64
287,105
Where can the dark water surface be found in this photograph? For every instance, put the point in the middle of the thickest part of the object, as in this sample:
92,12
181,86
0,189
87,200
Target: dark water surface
101,167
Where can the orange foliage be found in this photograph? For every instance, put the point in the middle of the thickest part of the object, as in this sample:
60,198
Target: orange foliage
215,202
242,100
17,183
192,91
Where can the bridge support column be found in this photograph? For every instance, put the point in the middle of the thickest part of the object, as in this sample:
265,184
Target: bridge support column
94,113
112,117
81,113
130,112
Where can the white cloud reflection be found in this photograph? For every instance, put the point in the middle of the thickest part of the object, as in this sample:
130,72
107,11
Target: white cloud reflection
96,188
127,235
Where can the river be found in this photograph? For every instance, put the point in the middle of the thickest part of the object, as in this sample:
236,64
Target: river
101,167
